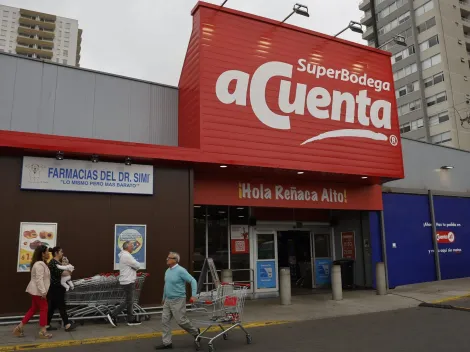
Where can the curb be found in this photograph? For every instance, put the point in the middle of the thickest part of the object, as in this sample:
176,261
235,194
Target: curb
449,299
110,339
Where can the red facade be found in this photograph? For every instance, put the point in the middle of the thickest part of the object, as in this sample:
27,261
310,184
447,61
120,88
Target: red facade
258,93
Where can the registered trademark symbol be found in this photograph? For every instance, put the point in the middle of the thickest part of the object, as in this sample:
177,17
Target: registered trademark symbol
393,140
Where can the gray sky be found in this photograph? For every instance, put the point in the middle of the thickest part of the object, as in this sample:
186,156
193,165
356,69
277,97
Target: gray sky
147,39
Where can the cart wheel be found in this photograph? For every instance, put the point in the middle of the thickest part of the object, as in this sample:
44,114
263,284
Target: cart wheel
211,348
197,345
248,339
225,336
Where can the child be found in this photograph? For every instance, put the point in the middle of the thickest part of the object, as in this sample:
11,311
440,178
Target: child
66,279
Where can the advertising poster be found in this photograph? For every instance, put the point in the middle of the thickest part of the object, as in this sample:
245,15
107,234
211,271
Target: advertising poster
239,241
266,274
32,235
135,234
348,244
323,272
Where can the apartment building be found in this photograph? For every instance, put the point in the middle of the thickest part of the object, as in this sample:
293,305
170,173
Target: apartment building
40,35
432,71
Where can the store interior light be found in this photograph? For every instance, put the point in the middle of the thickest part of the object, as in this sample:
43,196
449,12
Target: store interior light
300,172
60,156
197,206
241,216
240,208
223,166
364,177
95,158
128,161
446,167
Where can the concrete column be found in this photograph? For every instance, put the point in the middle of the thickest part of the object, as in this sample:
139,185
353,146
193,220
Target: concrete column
284,285
380,279
336,283
227,276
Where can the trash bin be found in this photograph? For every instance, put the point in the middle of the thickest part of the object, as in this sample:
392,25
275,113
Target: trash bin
347,272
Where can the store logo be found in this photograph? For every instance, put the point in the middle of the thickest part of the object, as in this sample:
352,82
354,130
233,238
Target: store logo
445,237
35,173
320,103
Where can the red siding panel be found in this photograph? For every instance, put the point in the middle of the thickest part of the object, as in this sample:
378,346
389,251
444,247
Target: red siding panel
189,93
232,40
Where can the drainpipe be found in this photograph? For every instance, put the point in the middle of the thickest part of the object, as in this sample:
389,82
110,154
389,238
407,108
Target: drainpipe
384,247
434,236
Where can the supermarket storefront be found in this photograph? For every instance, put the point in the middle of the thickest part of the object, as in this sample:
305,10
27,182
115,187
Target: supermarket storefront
284,138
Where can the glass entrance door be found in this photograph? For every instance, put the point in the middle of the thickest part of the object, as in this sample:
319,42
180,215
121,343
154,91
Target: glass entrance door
265,258
321,255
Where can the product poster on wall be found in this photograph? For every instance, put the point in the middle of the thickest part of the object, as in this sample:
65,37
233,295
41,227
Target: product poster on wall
348,244
137,236
32,235
239,242
322,272
266,274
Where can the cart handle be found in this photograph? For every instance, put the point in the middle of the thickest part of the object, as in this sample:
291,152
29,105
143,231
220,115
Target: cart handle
236,284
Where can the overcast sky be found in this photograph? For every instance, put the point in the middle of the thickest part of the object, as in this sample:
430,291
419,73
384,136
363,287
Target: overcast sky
147,39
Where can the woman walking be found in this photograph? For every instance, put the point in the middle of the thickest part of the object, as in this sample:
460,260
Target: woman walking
56,295
37,288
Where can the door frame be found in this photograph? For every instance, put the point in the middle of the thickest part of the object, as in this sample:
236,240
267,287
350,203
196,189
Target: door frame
254,258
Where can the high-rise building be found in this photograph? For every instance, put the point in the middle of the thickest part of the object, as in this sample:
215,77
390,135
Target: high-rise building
432,71
40,35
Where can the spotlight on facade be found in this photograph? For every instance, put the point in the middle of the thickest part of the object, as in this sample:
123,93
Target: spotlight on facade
95,158
60,155
447,167
223,166
353,26
299,9
300,173
364,177
128,161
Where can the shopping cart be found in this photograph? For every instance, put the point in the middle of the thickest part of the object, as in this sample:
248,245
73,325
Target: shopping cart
97,296
223,307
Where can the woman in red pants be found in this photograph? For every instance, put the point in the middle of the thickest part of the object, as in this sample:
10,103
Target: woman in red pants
37,288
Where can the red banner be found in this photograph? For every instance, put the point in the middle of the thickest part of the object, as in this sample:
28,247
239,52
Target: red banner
348,243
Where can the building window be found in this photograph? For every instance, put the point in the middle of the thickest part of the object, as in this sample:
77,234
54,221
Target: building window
406,71
433,41
407,89
67,35
431,81
6,13
403,54
424,8
67,26
66,43
65,61
5,24
432,61
436,99
411,126
395,23
4,33
409,107
423,27
66,53
438,118
442,138
390,9
212,225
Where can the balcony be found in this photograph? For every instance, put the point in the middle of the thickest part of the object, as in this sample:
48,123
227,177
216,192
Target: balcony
42,53
31,31
464,7
366,19
34,14
35,22
369,33
466,22
364,5
34,41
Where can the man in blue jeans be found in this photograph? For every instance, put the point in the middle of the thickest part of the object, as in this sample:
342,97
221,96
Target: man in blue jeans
174,299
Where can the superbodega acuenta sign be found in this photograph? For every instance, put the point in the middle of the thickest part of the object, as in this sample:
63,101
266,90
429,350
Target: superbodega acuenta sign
317,101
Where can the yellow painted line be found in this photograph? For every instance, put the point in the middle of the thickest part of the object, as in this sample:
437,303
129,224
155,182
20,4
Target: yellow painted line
453,298
110,339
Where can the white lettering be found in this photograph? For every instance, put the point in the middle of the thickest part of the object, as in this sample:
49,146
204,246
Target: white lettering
256,193
241,87
325,196
302,65
384,121
299,103
267,193
318,98
315,196
363,101
246,190
300,195
279,192
338,100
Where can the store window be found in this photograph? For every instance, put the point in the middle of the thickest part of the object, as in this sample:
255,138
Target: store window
213,226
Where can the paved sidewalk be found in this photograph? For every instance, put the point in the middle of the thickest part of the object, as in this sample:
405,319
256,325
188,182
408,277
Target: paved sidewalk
261,312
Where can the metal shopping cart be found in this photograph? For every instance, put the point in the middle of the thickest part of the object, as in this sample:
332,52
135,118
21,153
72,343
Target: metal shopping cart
97,296
224,307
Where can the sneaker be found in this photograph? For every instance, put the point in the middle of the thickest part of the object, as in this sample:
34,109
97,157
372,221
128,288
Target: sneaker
51,328
112,320
164,347
134,322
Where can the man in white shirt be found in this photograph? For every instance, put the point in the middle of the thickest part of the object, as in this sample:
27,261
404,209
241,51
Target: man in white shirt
128,267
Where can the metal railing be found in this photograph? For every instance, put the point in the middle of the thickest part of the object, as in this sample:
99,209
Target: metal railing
466,19
464,2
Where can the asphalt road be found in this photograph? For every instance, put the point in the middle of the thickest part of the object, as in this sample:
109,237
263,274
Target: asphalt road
419,329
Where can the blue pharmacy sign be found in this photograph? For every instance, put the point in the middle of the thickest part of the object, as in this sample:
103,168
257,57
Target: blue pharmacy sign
266,274
323,272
